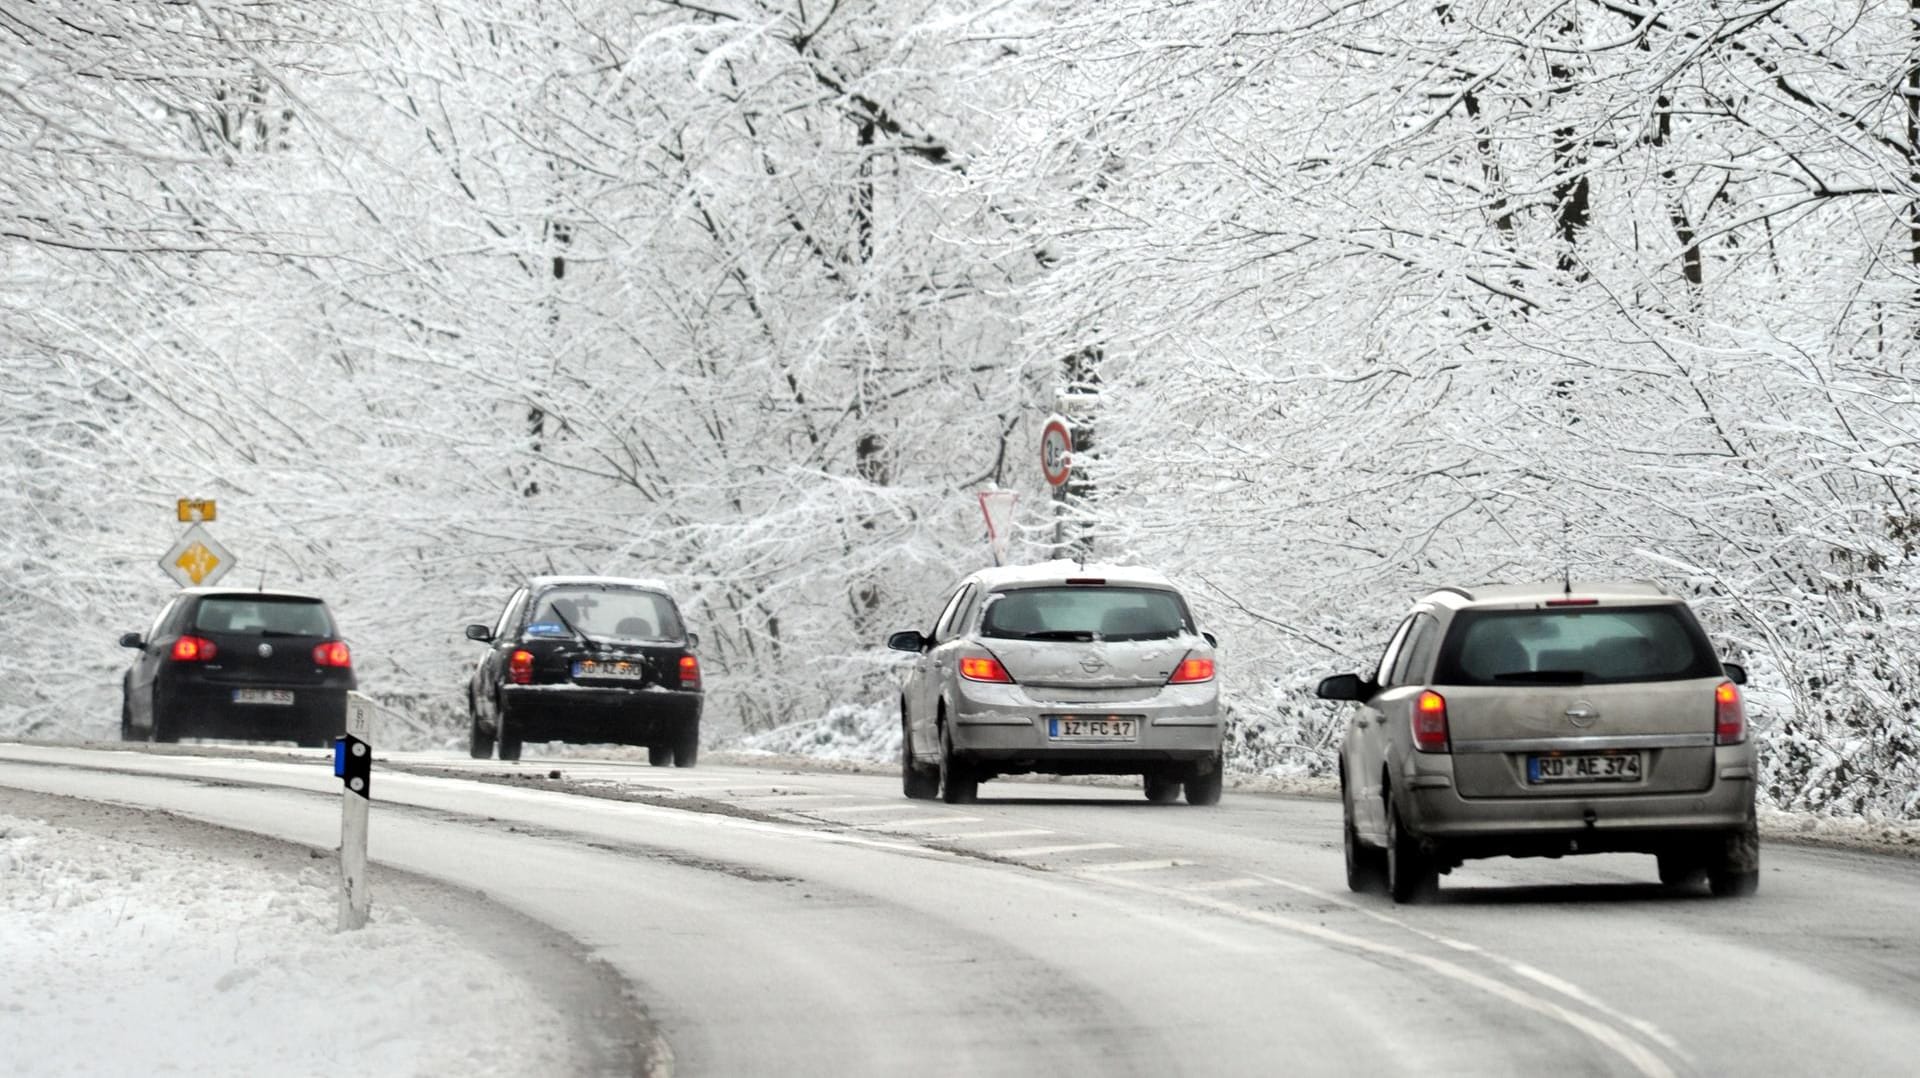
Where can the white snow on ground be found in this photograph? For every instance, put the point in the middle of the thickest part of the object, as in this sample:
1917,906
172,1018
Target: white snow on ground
864,732
126,959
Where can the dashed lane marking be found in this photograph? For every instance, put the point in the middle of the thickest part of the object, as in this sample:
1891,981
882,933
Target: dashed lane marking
1137,866
1238,883
916,821
1042,851
1023,832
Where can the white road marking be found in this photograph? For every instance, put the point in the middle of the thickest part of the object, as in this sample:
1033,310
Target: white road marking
1638,1055
865,808
1137,866
1042,851
783,797
1024,832
917,821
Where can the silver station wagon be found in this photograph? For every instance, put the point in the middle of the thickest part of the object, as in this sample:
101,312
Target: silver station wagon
1064,669
1544,721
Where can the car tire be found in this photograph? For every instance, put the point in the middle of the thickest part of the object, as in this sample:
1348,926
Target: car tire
479,742
1410,875
1205,789
126,718
958,786
916,782
1681,868
660,755
1366,866
1735,872
509,747
686,746
160,729
1162,790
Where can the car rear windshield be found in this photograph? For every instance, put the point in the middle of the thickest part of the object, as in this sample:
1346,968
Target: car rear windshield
263,615
1084,613
605,614
1574,645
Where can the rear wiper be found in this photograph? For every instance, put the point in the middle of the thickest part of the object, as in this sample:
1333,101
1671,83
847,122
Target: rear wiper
1546,677
584,638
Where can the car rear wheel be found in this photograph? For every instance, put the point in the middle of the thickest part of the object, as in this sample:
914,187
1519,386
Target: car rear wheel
686,747
160,728
479,742
916,782
1162,791
1366,868
958,786
1410,875
1205,789
509,746
126,719
1735,872
660,755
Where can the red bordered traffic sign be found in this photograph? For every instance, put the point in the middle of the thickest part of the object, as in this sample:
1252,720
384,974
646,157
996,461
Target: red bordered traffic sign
1056,451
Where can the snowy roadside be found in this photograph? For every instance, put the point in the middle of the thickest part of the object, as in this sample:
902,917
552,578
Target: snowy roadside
125,951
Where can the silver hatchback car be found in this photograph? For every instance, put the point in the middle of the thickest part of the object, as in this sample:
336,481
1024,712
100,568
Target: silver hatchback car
1064,669
1544,721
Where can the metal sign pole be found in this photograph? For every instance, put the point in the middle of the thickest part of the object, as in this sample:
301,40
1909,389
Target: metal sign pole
353,763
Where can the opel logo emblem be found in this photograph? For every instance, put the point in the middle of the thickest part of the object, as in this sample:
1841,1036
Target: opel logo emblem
266,651
1093,664
1582,714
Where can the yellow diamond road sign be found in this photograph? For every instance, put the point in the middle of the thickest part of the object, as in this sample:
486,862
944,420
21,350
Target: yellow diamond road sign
198,558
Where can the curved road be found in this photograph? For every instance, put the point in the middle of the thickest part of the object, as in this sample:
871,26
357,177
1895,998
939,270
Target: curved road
806,923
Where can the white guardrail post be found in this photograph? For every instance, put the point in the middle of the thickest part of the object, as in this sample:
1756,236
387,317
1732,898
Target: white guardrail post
353,763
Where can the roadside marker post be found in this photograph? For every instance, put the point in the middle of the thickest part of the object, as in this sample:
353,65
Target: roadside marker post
353,765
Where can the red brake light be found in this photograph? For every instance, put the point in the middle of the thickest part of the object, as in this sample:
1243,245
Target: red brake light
193,649
520,667
1573,602
1430,722
1192,670
1729,715
984,668
1095,580
689,672
332,653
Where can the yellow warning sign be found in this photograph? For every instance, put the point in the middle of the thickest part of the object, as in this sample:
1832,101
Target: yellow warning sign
196,559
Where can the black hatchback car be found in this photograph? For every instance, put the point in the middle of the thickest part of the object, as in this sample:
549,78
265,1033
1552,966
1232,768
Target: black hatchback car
587,659
254,665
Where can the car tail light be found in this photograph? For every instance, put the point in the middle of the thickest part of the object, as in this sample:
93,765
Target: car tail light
1094,581
332,653
984,668
193,649
689,672
1430,722
1729,715
1190,670
520,667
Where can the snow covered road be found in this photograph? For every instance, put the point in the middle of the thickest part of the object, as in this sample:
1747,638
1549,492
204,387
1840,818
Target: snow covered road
777,922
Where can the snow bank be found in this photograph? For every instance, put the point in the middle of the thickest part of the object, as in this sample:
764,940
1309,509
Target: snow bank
869,732
122,959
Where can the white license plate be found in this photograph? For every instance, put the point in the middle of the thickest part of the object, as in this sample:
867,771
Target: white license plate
617,669
1585,767
1090,728
277,697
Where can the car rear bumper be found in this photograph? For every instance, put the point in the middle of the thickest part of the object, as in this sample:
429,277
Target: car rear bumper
1588,821
597,715
208,709
1004,728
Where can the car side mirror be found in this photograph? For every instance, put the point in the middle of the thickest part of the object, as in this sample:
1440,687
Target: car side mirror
907,640
1735,673
1212,640
132,640
1342,687
482,633
693,639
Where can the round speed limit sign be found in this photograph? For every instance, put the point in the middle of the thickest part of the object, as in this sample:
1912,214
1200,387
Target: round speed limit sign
1056,451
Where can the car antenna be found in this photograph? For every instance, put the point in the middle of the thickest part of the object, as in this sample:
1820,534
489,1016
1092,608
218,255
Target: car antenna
1568,578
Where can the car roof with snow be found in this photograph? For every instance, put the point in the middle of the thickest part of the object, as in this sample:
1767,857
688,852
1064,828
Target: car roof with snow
1527,595
1062,571
244,593
541,583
